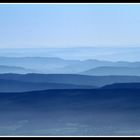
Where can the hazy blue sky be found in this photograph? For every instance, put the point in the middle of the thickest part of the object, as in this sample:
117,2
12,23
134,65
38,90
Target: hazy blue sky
69,25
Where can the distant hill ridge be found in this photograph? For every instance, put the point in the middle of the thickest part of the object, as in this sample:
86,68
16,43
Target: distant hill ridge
14,69
48,65
113,70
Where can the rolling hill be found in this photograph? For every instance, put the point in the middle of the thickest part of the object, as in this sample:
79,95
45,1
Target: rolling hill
20,86
97,81
40,64
15,69
108,70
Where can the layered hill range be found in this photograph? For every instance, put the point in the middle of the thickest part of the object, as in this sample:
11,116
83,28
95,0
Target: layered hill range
32,82
19,74
53,96
54,65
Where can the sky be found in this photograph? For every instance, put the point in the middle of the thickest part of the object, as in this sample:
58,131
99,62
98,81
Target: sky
69,25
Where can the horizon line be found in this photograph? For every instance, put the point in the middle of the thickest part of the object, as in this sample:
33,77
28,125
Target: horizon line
71,47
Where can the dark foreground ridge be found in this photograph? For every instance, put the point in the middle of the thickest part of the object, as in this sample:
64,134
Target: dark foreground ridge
93,112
